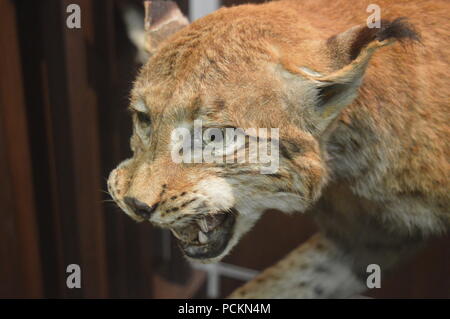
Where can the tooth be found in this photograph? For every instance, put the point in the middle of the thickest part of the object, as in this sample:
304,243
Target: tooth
203,225
202,238
175,234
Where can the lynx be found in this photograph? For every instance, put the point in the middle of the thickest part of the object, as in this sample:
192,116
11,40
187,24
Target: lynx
363,116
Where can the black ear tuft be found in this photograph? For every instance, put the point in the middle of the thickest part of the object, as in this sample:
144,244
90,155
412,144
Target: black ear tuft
399,29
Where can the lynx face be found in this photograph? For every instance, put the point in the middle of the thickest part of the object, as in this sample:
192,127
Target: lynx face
232,70
209,206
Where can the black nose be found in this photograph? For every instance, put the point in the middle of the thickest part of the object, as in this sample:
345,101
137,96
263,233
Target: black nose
139,208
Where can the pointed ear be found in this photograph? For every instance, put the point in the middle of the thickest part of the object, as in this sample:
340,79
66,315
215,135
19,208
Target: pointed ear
161,20
350,53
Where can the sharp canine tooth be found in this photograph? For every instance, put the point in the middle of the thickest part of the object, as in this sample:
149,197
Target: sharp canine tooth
202,238
175,234
203,225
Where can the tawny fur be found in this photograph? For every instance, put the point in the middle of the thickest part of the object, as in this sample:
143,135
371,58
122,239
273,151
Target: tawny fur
374,172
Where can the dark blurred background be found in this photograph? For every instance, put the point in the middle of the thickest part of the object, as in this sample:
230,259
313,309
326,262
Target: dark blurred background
64,126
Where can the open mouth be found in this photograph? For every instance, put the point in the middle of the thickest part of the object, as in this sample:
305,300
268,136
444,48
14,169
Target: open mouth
206,237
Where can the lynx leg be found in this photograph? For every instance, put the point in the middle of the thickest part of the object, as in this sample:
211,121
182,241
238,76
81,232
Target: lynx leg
322,268
317,269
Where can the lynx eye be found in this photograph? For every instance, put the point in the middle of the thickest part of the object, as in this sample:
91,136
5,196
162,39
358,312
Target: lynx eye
223,140
144,119
140,110
213,135
143,124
